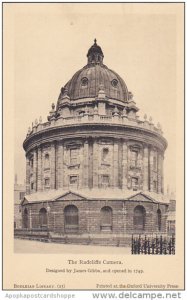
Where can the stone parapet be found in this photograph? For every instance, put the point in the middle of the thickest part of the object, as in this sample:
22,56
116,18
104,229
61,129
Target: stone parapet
102,119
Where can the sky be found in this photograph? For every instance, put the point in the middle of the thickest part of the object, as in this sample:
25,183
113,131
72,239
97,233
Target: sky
50,43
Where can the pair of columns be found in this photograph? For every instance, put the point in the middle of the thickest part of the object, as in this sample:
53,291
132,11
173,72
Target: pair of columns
57,167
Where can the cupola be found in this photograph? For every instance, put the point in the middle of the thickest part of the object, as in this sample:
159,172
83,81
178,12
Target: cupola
95,54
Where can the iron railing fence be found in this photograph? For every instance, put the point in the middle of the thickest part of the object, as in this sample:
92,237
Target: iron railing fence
159,245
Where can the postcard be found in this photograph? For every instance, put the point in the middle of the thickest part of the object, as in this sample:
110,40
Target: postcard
93,122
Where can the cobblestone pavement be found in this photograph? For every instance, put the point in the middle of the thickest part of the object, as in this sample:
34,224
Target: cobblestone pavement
26,246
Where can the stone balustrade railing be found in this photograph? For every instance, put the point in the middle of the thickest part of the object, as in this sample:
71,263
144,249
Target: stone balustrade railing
96,119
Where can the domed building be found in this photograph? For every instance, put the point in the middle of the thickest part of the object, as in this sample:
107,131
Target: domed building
94,171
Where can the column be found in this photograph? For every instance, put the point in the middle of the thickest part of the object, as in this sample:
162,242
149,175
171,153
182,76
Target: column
90,163
151,154
35,163
120,168
39,177
129,184
30,219
27,176
59,165
85,171
81,167
124,165
159,174
145,168
162,173
53,165
95,163
115,170
65,163
140,166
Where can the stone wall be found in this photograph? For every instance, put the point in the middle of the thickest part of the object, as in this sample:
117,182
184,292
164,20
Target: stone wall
99,163
90,218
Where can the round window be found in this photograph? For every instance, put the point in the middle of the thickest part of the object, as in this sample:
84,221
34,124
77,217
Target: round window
114,82
84,81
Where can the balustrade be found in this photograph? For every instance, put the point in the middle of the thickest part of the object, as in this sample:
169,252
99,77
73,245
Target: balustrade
95,119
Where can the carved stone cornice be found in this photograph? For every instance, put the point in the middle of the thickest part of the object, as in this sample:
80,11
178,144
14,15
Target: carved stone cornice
95,131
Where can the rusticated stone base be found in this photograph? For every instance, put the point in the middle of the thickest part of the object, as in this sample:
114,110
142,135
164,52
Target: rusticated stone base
90,220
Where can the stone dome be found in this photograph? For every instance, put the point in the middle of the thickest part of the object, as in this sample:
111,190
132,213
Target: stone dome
87,82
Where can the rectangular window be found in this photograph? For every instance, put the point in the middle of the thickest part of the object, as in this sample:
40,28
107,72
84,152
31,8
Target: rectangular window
21,195
134,183
47,181
73,180
155,186
105,180
31,162
154,163
32,185
134,158
74,153
105,154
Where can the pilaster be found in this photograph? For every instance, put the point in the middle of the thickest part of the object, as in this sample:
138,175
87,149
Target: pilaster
53,165
124,165
35,163
59,169
90,163
162,173
95,163
159,174
115,170
27,176
151,155
85,170
145,168
39,177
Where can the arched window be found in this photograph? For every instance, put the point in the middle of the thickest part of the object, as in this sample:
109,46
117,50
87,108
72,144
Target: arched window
106,218
43,217
71,218
46,162
159,220
139,218
25,218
